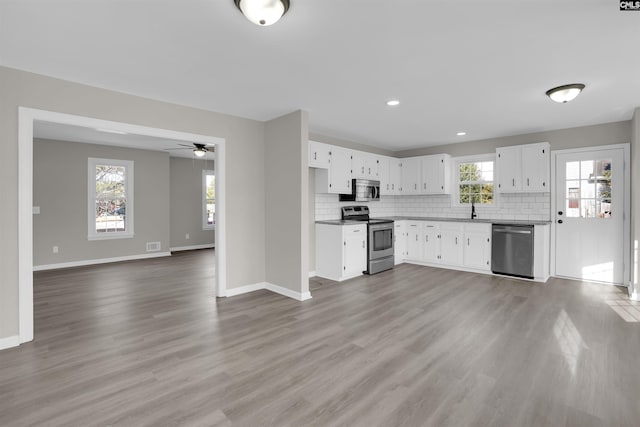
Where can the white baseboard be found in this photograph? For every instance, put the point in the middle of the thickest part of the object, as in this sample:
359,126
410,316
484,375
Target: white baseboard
245,289
312,274
99,261
634,295
192,248
9,342
288,292
299,296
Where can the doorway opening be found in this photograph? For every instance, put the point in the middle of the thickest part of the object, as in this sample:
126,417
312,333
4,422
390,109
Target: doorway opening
27,119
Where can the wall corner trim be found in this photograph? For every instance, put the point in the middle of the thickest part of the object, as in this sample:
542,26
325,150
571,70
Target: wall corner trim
9,342
298,296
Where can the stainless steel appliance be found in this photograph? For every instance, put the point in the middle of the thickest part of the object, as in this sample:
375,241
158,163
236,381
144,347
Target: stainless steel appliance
379,238
512,250
363,190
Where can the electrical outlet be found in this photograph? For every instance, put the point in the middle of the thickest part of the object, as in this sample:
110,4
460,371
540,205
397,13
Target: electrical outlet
55,249
186,236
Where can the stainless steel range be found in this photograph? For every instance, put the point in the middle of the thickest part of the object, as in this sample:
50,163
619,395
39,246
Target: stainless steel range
379,238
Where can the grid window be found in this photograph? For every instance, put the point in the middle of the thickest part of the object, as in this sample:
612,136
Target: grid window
209,199
588,189
475,182
110,198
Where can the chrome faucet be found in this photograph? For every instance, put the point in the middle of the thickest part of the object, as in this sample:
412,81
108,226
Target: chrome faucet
473,211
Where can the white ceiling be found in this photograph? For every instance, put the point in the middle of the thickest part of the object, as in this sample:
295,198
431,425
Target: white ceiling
478,66
63,132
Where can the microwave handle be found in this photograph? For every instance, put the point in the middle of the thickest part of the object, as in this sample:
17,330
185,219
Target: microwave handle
376,190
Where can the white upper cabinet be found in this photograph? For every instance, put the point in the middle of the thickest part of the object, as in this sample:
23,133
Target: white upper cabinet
384,175
536,160
436,174
319,156
336,179
509,169
523,168
411,181
365,165
395,175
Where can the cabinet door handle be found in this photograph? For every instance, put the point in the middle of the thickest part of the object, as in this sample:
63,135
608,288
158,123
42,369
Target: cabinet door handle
416,237
527,182
468,244
424,186
415,186
427,236
456,240
363,244
315,156
513,181
363,169
369,171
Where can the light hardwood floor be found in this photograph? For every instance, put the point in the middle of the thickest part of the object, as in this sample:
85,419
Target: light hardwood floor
145,343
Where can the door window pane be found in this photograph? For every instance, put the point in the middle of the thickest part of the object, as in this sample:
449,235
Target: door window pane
589,196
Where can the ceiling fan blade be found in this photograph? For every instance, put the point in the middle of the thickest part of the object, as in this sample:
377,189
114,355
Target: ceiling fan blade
171,149
185,145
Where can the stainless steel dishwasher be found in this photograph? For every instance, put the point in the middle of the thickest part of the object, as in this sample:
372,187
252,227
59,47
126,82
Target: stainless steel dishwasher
512,250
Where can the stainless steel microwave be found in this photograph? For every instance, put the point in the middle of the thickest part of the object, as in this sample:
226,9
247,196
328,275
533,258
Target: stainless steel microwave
362,190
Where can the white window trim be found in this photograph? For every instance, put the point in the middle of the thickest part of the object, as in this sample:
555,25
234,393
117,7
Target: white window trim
91,214
206,226
456,178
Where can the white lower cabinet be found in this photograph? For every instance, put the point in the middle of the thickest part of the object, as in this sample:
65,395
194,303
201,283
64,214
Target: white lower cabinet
477,246
400,242
431,242
451,244
341,250
414,241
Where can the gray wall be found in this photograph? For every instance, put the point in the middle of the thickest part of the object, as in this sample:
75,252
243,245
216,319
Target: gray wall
287,201
245,200
186,203
586,136
60,190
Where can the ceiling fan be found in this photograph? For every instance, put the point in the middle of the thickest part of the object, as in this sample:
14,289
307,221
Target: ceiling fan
200,150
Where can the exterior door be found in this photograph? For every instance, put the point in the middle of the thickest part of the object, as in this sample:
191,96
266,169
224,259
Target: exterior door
589,234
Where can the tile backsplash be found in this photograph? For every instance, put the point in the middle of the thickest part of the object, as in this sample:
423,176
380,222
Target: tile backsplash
523,206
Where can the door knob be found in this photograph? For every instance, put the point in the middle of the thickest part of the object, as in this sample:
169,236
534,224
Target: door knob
559,221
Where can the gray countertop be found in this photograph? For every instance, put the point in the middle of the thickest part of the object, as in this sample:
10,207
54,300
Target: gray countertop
469,220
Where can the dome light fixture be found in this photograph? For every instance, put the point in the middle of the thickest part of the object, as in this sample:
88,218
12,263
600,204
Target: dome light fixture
263,12
393,103
565,93
200,151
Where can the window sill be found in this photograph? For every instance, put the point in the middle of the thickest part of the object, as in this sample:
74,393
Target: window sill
111,236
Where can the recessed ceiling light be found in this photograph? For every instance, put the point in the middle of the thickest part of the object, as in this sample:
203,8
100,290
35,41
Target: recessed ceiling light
393,102
461,133
119,132
565,93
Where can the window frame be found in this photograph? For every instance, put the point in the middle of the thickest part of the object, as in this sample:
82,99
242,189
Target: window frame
205,224
92,234
456,178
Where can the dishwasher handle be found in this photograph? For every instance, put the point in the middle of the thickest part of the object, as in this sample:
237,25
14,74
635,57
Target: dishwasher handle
511,230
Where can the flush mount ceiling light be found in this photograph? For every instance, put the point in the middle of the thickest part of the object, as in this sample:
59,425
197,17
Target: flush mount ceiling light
461,133
263,12
566,93
393,103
